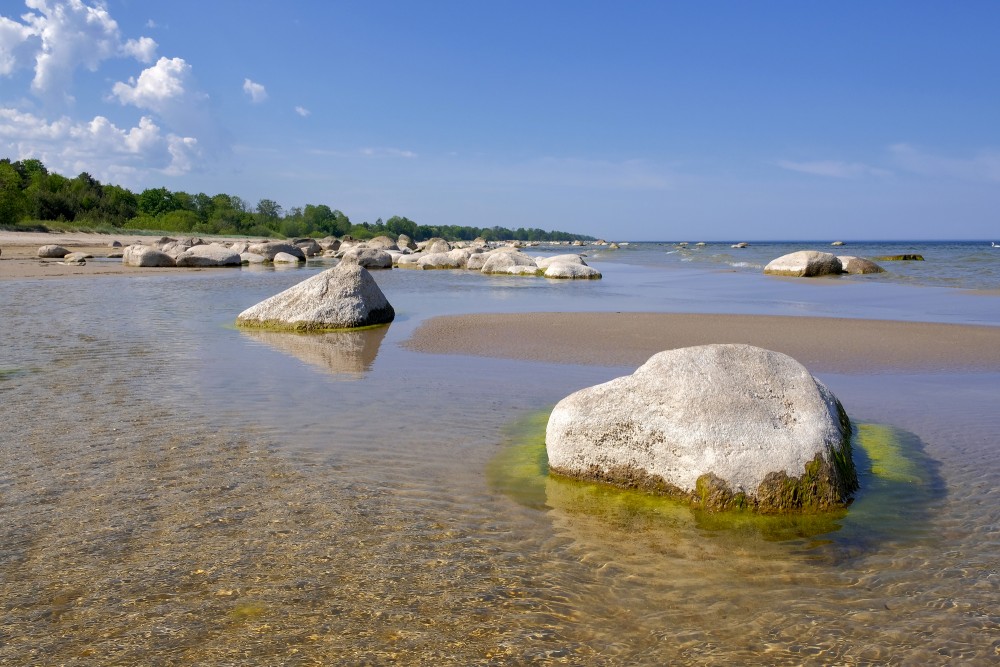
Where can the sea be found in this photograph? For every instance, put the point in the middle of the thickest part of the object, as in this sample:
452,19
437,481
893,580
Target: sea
178,491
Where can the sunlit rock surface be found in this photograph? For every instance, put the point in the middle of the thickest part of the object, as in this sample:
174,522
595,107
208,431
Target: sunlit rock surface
723,426
344,297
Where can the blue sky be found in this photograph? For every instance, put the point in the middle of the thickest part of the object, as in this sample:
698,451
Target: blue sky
636,120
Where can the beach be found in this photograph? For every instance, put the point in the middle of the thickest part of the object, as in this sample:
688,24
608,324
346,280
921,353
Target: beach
178,491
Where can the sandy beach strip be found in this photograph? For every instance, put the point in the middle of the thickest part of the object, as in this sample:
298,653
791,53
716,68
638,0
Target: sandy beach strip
629,339
19,254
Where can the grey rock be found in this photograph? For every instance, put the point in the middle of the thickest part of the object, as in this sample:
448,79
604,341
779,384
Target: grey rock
209,255
140,255
370,258
509,263
52,252
343,297
271,248
859,265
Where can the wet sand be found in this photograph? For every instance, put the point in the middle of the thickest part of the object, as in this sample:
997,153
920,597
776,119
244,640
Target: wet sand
629,339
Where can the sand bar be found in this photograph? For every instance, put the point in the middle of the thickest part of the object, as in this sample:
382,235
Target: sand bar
629,339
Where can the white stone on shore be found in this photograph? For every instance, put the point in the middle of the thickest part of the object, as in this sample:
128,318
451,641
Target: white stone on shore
719,425
52,252
209,255
805,263
569,271
370,258
286,258
140,255
511,262
343,297
543,262
252,258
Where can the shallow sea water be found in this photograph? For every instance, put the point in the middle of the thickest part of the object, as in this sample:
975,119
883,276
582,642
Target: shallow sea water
176,491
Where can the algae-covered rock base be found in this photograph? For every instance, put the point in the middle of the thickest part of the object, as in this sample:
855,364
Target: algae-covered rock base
721,426
344,297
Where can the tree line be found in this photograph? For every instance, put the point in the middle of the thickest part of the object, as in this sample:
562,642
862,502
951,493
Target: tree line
29,192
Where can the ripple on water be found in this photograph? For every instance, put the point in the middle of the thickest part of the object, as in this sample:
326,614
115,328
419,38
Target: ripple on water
175,492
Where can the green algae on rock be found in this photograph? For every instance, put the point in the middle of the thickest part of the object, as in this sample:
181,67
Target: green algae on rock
718,426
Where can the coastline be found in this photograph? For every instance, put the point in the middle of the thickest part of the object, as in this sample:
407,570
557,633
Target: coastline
629,339
19,255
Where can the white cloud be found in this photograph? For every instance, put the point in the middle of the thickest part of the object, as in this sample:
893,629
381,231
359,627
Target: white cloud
256,91
984,166
832,168
142,49
73,34
13,45
386,152
302,111
97,146
59,36
158,87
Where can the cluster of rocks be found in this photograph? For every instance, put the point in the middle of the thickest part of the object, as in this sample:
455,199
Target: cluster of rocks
810,263
53,251
721,426
383,252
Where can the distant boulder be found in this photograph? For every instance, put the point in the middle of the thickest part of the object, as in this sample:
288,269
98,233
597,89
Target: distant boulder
383,243
805,263
370,258
901,258
859,265
344,297
510,263
453,259
140,255
271,248
209,255
52,252
571,271
721,426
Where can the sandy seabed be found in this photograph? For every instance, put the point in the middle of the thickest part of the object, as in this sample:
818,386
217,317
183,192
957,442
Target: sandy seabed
629,339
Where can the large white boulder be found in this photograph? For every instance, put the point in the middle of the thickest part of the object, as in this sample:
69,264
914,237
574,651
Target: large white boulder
453,259
140,255
52,251
212,254
805,263
543,262
722,426
512,263
344,297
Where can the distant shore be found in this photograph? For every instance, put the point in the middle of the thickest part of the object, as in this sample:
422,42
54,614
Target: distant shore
19,254
629,339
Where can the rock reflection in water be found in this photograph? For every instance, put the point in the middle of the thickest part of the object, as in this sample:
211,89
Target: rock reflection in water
342,353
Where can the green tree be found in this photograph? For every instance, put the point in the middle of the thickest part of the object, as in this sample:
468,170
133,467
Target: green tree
13,203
